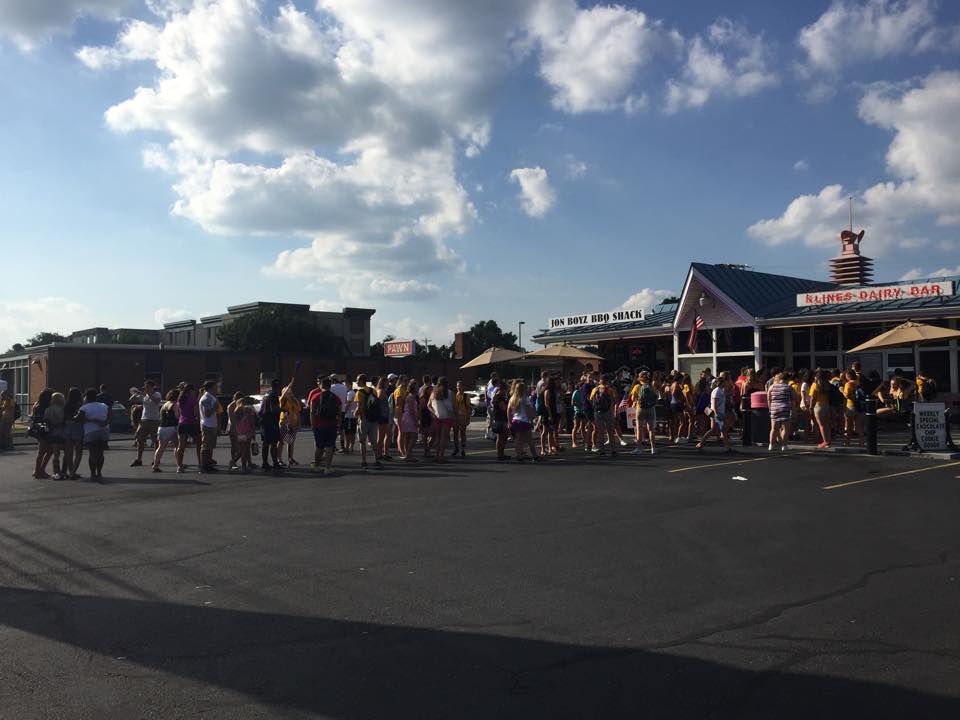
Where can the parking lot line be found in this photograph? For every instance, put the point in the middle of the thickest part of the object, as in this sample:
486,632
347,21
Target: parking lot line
737,462
891,475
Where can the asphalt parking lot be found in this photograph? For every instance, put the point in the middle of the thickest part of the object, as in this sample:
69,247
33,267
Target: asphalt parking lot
684,585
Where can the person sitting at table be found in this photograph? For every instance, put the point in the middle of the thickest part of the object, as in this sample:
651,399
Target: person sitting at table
894,401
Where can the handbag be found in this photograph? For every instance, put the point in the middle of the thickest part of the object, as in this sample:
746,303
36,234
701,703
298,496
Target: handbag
39,430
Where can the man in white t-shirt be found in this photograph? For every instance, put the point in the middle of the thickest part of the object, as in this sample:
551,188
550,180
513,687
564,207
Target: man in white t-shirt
150,420
209,426
718,412
340,390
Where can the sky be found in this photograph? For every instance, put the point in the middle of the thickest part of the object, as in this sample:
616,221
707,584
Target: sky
446,161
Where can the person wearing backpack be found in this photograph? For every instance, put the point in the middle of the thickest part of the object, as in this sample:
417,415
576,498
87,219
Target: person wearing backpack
325,409
603,399
368,420
645,402
854,406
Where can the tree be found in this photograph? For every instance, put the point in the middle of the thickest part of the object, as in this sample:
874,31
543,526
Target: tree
487,334
45,338
376,349
672,300
278,329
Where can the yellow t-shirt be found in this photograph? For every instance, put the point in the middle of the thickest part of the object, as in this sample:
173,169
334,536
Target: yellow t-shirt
850,393
795,387
290,411
819,395
399,398
462,404
635,393
610,392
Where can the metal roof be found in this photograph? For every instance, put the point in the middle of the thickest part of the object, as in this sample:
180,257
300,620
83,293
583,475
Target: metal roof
760,294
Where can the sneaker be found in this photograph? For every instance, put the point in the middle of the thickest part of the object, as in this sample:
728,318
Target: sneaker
676,441
181,469
636,451
653,451
770,447
156,469
596,450
136,463
209,469
783,448
623,443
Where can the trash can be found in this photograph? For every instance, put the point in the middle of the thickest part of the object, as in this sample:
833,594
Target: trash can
759,418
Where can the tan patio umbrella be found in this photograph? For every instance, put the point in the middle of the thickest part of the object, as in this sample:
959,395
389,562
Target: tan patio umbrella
563,352
909,333
492,356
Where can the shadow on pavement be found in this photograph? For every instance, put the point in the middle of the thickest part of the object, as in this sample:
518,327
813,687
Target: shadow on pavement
363,670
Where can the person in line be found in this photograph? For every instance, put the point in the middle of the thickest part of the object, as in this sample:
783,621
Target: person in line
645,403
149,400
209,426
232,407
521,411
398,402
488,391
498,422
95,418
390,387
188,424
383,393
717,413
8,416
426,417
55,419
72,435
245,423
290,412
853,411
270,432
340,389
410,421
780,403
40,432
579,417
368,420
168,431
444,413
586,392
820,404
604,400
348,424
325,411
689,408
463,412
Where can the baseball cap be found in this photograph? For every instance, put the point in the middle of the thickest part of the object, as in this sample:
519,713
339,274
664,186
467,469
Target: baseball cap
392,376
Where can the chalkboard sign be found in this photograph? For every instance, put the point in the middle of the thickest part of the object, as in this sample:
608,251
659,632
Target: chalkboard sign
931,425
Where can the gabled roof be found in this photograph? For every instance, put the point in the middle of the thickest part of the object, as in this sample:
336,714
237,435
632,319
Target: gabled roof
759,294
656,320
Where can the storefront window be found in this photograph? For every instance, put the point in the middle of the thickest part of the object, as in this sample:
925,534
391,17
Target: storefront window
738,339
801,362
827,362
732,365
771,341
825,338
704,343
854,335
936,364
801,340
773,361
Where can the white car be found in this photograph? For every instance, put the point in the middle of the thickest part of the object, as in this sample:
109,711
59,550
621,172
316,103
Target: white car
478,402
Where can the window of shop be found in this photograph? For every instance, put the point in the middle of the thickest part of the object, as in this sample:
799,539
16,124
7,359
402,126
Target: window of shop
732,365
826,339
801,362
936,364
773,361
801,341
827,362
704,342
854,335
738,339
771,341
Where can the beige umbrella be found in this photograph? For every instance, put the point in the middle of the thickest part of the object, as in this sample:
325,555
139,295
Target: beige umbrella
492,356
909,333
563,352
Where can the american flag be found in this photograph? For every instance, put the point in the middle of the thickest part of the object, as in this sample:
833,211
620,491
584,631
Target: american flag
692,339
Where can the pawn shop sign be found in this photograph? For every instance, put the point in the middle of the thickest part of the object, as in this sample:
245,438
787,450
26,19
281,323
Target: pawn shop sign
399,348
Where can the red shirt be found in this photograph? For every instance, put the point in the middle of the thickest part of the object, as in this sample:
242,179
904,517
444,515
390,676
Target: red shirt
315,420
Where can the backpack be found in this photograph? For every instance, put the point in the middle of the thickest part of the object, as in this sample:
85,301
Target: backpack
601,400
860,399
371,406
392,405
326,409
647,397
837,399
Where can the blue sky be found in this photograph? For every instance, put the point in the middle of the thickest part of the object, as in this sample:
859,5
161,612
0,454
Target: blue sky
449,162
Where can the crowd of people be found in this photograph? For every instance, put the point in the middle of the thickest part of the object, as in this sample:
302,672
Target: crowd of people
401,415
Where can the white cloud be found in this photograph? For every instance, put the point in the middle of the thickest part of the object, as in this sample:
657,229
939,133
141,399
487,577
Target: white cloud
635,104
575,169
645,299
591,57
918,274
137,41
462,322
326,306
922,158
405,329
29,23
23,319
536,194
167,315
852,32
728,62
801,166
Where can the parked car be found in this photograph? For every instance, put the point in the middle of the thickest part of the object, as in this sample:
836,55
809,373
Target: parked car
478,402
120,418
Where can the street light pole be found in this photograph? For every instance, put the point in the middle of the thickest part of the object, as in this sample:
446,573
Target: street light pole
520,335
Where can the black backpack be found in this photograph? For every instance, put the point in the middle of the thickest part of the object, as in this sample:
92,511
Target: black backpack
647,397
837,399
327,407
601,400
371,406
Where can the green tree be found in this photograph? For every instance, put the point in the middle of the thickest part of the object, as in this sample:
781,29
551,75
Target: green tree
487,334
278,329
45,338
672,300
376,349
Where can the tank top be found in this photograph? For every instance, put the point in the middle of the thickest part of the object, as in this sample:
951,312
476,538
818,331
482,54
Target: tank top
189,412
168,418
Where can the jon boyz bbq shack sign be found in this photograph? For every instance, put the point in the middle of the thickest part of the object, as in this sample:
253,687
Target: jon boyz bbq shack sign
877,293
601,318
